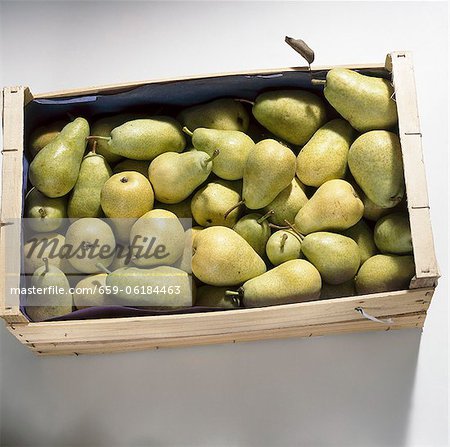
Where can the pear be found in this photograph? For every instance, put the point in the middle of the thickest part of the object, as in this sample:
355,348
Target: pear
43,246
185,261
175,176
212,203
43,135
293,281
393,234
90,243
293,115
234,148
337,290
91,292
161,287
127,195
334,206
282,246
43,213
157,238
223,258
54,170
132,165
221,114
254,228
270,168
362,234
324,156
366,102
335,256
122,257
372,211
375,161
84,200
287,203
52,298
121,228
181,209
385,273
210,296
145,139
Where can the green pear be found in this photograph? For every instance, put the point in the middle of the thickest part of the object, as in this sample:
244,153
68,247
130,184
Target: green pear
43,135
212,203
210,296
43,213
90,242
221,114
282,246
385,273
52,298
54,170
337,290
175,176
324,156
132,165
157,238
393,234
160,287
334,206
122,228
362,234
181,209
43,246
366,102
372,211
293,115
123,256
84,200
335,256
254,228
127,195
375,161
287,203
234,148
293,281
270,168
91,292
224,258
145,139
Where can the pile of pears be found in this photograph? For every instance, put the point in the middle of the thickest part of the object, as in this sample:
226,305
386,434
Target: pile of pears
295,196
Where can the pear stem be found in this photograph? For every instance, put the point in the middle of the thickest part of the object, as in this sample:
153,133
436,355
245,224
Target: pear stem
94,147
246,101
98,137
265,217
278,227
292,227
232,293
46,265
318,81
241,202
42,212
283,241
102,268
187,131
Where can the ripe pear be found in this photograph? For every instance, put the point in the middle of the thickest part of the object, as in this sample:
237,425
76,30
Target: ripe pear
385,273
175,176
293,115
270,168
223,258
132,165
161,287
210,204
145,139
293,281
254,228
157,238
44,214
91,242
127,195
375,161
287,203
337,290
334,206
366,102
372,211
221,114
84,200
91,292
210,296
324,156
282,246
335,256
362,234
393,234
43,135
234,148
54,170
54,298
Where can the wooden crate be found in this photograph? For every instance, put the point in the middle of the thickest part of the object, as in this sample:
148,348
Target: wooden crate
406,309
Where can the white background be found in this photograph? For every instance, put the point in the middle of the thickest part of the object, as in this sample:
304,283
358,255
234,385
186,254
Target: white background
370,389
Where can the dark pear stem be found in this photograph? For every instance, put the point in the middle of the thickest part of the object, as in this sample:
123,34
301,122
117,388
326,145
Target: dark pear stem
42,212
124,179
187,131
94,147
283,241
241,202
103,268
265,217
246,101
236,296
278,227
292,227
46,265
98,137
